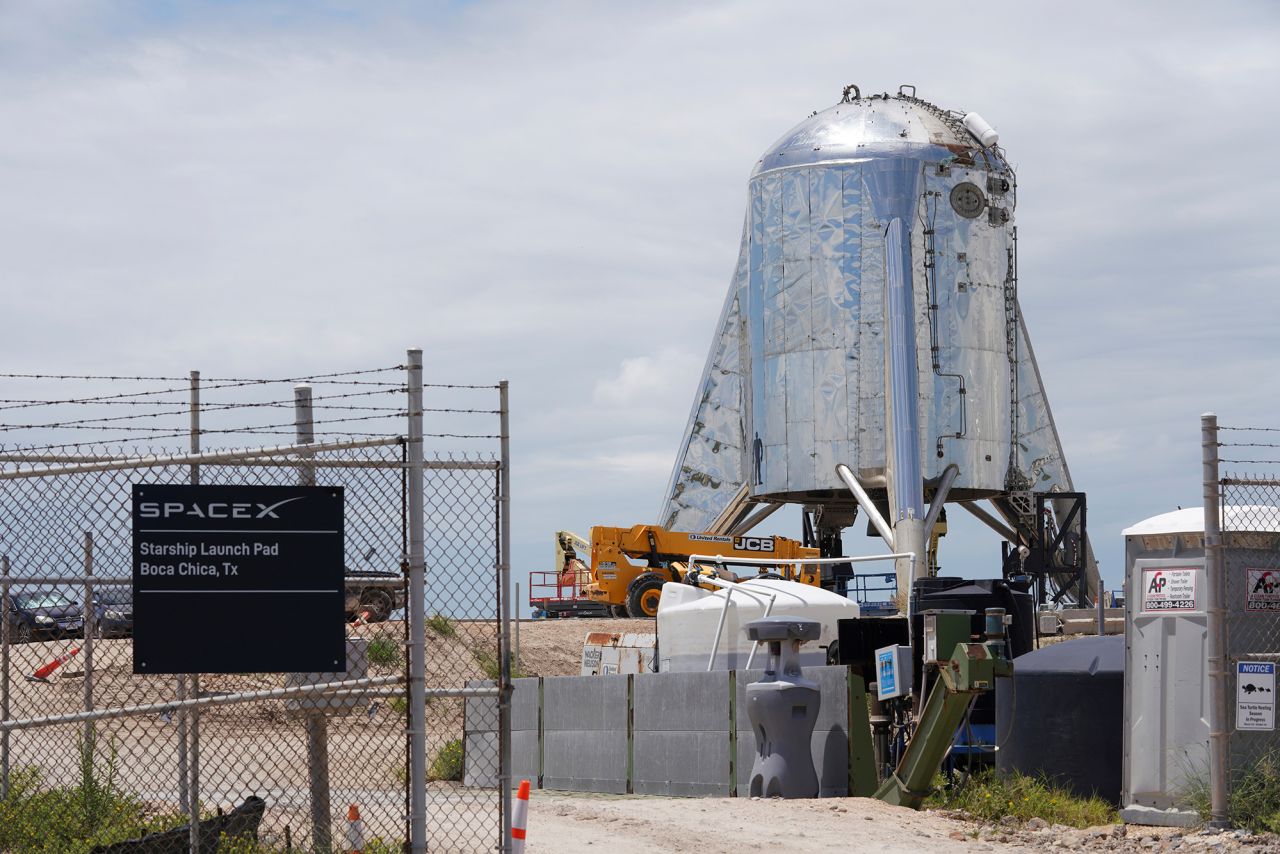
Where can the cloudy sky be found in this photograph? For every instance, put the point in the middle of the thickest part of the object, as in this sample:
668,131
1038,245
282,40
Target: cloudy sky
553,193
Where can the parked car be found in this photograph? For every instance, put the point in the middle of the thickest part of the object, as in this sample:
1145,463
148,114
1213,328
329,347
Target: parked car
378,600
113,612
43,614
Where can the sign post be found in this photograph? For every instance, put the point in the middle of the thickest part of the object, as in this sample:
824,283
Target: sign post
237,579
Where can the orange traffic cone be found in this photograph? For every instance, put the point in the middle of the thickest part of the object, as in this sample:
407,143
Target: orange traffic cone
355,830
42,675
519,818
362,619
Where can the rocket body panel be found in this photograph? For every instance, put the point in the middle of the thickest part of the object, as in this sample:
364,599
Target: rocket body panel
795,381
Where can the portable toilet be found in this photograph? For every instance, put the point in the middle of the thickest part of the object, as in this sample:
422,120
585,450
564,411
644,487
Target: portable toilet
1166,690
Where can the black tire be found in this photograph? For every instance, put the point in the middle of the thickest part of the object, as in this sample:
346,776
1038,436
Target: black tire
618,611
643,594
378,603
833,652
21,633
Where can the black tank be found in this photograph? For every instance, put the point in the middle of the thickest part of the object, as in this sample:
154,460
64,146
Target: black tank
1062,715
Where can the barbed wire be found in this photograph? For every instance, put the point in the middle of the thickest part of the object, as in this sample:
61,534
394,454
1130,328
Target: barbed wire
1248,445
1252,429
116,378
1251,462
23,403
459,385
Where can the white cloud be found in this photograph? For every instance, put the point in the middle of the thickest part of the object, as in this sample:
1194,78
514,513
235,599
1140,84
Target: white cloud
554,193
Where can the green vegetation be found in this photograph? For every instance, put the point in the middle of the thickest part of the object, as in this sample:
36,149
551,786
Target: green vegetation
74,819
1254,800
991,797
441,626
399,705
492,668
385,651
447,764
243,845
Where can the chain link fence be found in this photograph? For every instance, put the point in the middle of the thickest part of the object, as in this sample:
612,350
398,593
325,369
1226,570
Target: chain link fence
1248,561
93,754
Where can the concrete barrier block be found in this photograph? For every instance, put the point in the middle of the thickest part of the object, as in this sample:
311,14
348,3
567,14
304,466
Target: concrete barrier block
681,734
584,726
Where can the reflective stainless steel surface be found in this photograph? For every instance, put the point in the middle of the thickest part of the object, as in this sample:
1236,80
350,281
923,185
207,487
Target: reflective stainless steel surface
795,381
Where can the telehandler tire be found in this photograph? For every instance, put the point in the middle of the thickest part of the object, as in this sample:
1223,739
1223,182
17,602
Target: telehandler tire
643,594
618,611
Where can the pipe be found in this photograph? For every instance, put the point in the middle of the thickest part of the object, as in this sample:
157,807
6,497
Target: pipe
222,457
949,475
755,645
865,502
416,560
991,521
901,381
219,700
754,519
732,512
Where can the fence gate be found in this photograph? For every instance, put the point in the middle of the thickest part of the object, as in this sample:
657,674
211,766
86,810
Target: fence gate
92,754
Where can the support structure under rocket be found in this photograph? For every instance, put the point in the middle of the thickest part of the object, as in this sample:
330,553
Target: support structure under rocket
873,321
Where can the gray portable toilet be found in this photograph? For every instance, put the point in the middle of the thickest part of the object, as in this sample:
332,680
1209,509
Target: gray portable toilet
1166,695
1166,692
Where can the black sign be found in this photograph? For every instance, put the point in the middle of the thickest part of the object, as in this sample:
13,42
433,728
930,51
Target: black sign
237,579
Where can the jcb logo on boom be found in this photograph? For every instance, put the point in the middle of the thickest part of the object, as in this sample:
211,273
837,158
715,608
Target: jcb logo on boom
753,544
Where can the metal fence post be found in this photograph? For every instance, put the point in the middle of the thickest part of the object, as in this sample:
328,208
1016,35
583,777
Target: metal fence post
4,674
504,573
416,613
317,722
193,754
88,616
1215,618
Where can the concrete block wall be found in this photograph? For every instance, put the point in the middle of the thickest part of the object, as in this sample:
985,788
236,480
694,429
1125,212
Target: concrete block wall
584,733
683,734
479,741
680,742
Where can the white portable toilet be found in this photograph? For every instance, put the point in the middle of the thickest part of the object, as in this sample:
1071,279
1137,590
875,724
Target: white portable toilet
1166,691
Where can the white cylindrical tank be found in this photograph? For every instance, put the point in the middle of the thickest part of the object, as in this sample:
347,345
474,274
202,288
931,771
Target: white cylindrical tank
981,129
688,616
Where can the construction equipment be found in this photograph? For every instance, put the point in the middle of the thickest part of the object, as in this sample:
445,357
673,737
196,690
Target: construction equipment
559,592
617,582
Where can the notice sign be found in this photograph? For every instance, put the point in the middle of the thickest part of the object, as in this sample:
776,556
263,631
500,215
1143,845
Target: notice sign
1169,589
1261,590
1255,695
237,579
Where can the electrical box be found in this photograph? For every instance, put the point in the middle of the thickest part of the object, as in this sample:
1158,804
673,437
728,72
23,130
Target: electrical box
893,672
943,630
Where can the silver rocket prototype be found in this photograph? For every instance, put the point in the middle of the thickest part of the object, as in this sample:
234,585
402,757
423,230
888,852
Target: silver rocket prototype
873,321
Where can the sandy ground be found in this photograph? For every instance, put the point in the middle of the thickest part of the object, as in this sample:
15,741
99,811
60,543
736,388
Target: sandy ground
577,824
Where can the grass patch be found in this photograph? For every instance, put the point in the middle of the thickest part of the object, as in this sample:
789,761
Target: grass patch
991,797
447,764
492,668
1253,801
74,819
384,651
441,626
243,845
